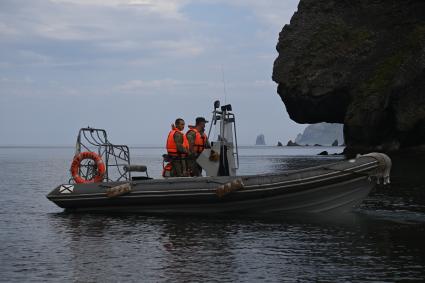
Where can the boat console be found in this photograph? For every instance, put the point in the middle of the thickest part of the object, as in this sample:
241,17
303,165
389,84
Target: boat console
225,145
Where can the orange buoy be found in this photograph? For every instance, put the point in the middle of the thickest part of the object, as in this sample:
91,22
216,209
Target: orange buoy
76,163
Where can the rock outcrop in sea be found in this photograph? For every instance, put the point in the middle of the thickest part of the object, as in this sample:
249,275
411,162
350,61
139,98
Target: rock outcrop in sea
360,63
291,143
321,133
261,140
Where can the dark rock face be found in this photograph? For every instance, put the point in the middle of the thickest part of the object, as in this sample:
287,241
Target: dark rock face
291,143
361,63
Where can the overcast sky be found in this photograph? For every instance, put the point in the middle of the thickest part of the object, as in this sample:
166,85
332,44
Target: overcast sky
133,66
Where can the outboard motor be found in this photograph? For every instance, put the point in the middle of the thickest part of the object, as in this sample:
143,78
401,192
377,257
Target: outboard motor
222,159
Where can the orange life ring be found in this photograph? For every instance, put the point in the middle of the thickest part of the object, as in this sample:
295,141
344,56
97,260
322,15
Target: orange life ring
75,167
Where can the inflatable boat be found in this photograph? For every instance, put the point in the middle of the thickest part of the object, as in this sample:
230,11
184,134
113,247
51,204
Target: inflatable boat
103,180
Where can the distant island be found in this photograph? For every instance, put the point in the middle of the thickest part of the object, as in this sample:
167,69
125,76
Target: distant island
260,140
322,134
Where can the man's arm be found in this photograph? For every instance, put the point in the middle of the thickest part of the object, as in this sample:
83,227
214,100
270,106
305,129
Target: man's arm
191,139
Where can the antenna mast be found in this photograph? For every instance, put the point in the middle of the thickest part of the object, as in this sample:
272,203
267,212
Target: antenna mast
224,85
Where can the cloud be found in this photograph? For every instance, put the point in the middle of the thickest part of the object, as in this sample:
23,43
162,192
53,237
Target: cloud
6,30
120,46
31,57
92,30
164,8
137,56
274,13
161,84
178,47
149,86
173,48
25,80
91,19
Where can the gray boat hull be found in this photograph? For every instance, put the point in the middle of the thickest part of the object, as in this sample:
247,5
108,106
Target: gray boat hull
335,187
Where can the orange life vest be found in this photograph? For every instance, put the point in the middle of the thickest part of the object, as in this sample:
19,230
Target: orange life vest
172,146
200,140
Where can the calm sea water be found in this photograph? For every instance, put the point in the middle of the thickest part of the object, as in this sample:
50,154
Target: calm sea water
382,241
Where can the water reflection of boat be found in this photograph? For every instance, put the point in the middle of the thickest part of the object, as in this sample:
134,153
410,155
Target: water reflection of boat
333,187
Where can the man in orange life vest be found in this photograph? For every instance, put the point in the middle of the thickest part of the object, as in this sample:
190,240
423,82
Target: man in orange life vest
178,149
198,140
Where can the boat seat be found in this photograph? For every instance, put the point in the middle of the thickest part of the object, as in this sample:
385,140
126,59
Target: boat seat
135,168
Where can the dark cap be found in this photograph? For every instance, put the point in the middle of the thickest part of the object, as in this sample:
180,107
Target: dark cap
201,119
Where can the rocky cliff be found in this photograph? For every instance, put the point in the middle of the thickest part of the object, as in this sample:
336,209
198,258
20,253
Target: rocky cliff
357,62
